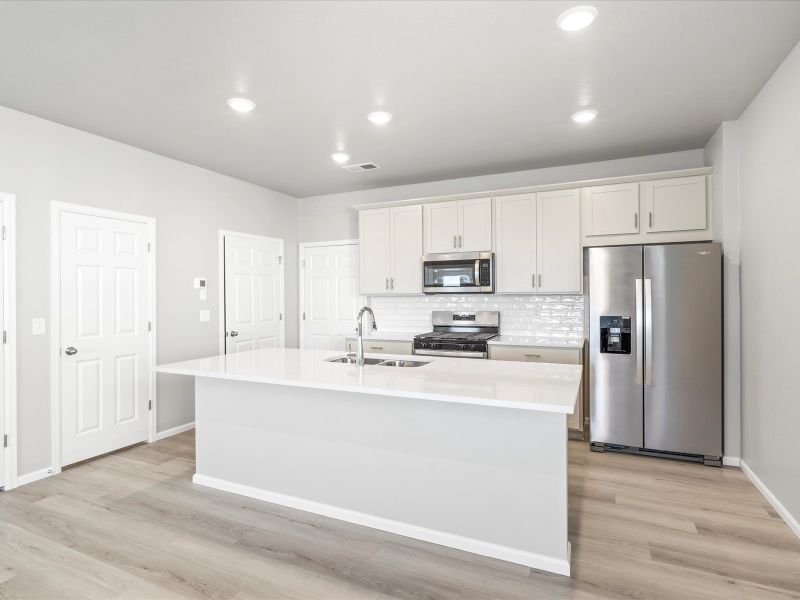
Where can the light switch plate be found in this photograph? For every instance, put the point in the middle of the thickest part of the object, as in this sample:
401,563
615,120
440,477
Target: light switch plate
38,326
205,315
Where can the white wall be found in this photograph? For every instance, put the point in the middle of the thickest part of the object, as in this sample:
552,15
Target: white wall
722,153
770,282
331,217
42,161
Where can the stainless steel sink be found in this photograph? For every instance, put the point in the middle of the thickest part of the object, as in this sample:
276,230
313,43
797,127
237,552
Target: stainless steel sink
402,363
351,360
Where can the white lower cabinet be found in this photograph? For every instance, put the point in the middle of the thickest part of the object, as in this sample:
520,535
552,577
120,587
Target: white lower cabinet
380,346
390,260
544,354
538,243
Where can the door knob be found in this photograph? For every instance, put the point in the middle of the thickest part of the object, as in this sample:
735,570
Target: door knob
70,351
234,333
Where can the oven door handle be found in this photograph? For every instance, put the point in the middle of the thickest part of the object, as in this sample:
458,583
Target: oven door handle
451,353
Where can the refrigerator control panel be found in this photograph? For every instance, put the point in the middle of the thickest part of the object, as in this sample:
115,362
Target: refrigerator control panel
615,334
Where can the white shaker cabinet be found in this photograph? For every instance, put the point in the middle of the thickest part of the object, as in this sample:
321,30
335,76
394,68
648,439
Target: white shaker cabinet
677,204
458,226
611,209
538,243
559,255
390,250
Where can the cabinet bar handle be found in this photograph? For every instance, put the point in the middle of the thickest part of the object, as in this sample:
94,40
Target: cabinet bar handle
391,283
533,280
387,283
533,356
460,241
376,347
651,219
636,220
540,280
455,240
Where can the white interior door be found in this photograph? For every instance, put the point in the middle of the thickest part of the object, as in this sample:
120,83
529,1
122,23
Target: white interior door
3,399
104,338
330,295
253,293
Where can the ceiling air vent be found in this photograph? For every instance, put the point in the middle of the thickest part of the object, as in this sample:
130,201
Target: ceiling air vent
361,167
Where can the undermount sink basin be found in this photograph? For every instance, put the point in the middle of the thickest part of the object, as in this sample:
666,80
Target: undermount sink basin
402,363
350,360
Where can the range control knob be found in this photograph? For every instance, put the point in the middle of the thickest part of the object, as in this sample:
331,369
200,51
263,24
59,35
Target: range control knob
474,347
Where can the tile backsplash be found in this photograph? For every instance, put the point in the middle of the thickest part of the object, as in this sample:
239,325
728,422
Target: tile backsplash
550,319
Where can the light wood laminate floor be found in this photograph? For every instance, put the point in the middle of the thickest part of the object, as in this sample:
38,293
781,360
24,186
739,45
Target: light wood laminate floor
132,526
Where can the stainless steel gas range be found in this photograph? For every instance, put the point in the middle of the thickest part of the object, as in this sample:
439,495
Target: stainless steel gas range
460,334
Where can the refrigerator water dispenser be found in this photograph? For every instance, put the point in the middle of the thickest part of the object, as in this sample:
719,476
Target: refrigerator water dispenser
615,334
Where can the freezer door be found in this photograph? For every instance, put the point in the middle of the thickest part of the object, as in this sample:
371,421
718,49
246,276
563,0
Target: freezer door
683,348
615,379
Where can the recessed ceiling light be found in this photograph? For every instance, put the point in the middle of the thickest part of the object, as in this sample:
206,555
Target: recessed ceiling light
380,117
584,116
242,105
576,18
340,157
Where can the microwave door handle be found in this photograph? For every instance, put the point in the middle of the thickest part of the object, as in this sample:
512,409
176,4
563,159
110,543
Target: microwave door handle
478,272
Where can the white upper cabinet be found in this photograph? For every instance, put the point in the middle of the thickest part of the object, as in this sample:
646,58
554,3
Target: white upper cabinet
458,226
475,225
515,243
406,237
559,252
441,227
390,250
538,243
374,227
611,209
676,204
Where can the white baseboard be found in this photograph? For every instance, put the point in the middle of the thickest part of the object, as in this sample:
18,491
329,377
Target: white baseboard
793,524
35,476
521,557
174,431
731,461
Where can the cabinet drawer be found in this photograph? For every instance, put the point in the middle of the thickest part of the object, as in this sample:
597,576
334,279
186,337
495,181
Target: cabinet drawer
562,356
381,346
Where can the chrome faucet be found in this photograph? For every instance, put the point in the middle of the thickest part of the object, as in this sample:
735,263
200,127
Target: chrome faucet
359,319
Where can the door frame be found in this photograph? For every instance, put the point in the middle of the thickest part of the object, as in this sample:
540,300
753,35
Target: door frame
221,233
301,264
8,206
56,209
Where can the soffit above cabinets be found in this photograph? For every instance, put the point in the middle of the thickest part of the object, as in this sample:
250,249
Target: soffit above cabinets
474,87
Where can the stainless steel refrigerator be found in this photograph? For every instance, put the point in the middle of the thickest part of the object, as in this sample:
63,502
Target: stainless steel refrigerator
655,350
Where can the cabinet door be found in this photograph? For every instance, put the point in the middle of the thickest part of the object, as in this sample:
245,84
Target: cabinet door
374,252
406,240
475,225
515,236
676,204
441,227
611,209
558,239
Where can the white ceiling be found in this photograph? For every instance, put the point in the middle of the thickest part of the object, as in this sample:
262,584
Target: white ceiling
476,87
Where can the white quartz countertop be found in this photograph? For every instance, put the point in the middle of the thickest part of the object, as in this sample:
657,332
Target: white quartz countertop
523,340
528,386
387,336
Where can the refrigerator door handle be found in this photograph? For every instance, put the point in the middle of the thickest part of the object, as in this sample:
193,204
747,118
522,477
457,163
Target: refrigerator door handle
648,331
639,332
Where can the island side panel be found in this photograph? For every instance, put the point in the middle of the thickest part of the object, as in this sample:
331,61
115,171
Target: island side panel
452,473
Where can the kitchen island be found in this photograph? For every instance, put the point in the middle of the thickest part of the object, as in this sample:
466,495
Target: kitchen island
470,454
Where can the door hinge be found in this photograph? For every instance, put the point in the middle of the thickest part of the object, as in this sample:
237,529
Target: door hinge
304,316
149,326
149,405
280,260
5,337
149,247
5,440
303,263
280,316
4,232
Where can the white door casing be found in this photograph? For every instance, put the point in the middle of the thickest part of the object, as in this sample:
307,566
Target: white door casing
104,302
8,388
253,292
329,296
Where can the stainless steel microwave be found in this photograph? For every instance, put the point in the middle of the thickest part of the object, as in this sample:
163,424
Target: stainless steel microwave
460,273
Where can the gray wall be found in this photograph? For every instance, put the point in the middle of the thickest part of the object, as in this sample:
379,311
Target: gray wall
331,217
769,161
722,153
42,161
